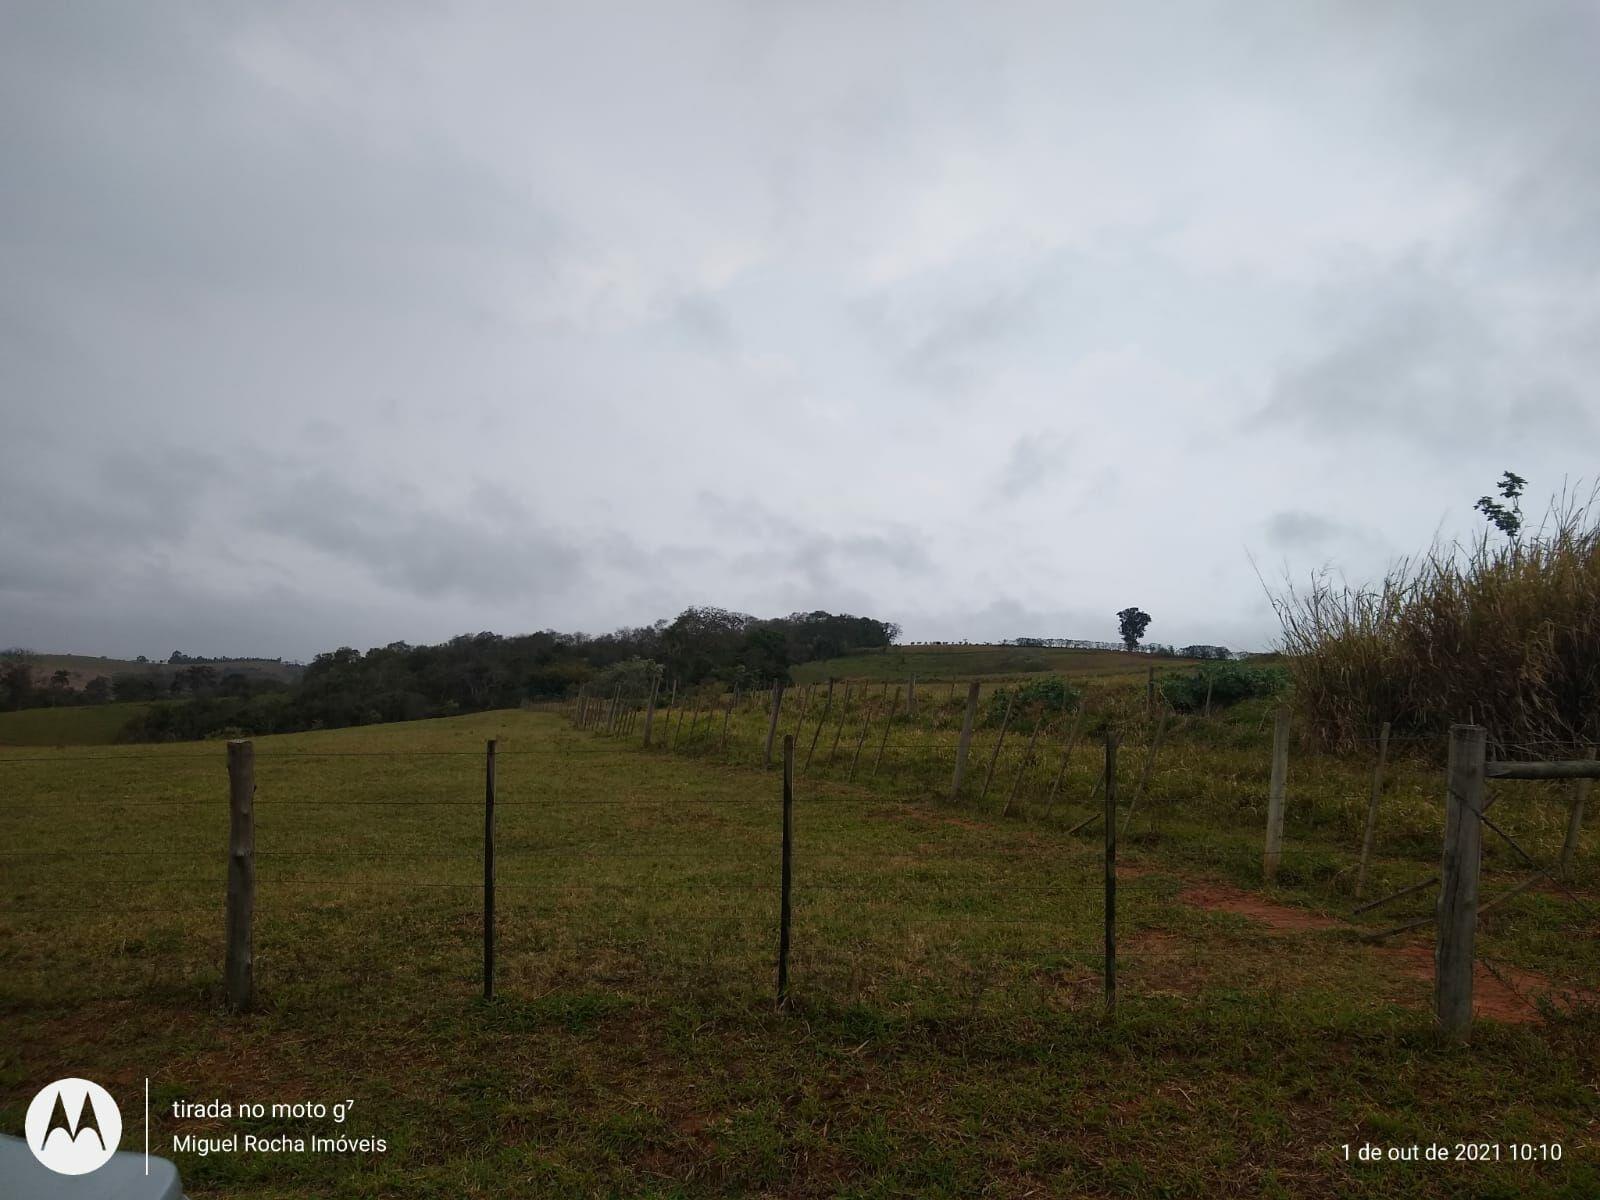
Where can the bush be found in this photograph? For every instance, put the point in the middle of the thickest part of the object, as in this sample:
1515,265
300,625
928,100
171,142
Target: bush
1229,683
1506,635
1036,700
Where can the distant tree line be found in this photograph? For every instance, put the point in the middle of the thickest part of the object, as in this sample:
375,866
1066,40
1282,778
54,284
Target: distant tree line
402,682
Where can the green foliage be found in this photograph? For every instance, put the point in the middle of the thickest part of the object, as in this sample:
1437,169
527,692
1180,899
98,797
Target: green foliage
1131,624
1228,683
1507,518
1035,700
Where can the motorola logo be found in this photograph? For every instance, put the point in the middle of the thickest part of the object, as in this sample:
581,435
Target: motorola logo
73,1126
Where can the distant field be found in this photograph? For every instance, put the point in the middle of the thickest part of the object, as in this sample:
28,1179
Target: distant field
935,662
84,667
84,725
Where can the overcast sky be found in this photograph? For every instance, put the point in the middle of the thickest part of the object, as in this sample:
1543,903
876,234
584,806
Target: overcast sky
327,324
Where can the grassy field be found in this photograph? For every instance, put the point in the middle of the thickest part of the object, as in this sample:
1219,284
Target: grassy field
73,725
947,662
945,1036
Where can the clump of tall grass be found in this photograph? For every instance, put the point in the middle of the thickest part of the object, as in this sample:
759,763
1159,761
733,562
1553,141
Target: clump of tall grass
1502,633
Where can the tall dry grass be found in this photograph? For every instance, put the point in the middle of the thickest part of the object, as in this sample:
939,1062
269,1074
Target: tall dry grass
1502,633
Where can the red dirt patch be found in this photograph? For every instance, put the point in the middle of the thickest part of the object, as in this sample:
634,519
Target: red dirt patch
1506,997
1504,994
1218,898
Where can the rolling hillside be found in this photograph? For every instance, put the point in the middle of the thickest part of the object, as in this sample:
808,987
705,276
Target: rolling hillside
951,661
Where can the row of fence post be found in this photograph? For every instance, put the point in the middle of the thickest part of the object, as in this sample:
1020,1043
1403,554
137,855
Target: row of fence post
1456,914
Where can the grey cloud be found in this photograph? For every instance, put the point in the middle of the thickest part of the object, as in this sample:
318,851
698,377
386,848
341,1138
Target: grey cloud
494,551
312,323
1300,530
1035,458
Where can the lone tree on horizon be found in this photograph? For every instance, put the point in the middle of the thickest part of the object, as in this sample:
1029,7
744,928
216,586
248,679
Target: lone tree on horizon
1132,622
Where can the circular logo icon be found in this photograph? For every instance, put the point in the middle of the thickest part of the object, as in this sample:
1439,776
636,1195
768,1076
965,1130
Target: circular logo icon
73,1126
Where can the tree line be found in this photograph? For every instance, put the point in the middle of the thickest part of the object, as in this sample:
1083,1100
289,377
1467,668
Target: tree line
472,672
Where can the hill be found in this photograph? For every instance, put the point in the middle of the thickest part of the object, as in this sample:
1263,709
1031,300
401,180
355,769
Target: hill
84,667
952,661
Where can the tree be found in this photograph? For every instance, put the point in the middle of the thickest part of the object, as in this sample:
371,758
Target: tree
1506,518
1132,622
97,690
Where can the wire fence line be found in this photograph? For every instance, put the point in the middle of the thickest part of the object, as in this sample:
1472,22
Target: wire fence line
873,899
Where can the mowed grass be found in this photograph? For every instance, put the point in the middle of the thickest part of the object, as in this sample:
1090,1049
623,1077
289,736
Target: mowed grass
946,1035
76,725
947,662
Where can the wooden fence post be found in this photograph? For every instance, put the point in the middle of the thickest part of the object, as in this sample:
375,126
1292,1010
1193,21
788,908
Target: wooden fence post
965,742
1275,794
786,884
772,725
805,703
1209,682
994,755
677,728
1150,692
911,698
827,704
239,965
844,715
650,710
1066,756
1144,776
577,707
888,724
488,870
1111,873
726,717
1371,833
1027,758
1458,890
1569,844
866,725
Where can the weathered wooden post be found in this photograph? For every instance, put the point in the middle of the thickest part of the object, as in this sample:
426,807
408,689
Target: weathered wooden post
805,703
1027,759
866,725
650,709
488,870
1580,793
1209,682
888,724
965,742
1371,833
786,882
994,755
1275,793
1150,691
911,698
1144,776
727,716
844,715
239,962
827,704
1066,757
772,725
1458,887
1111,873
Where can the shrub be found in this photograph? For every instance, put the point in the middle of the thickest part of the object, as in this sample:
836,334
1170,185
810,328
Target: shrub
1033,701
1506,635
1229,683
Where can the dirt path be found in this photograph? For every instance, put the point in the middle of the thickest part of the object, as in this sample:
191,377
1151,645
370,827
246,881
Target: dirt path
1507,996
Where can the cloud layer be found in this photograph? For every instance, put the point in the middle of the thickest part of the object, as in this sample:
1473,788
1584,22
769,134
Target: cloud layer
316,328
